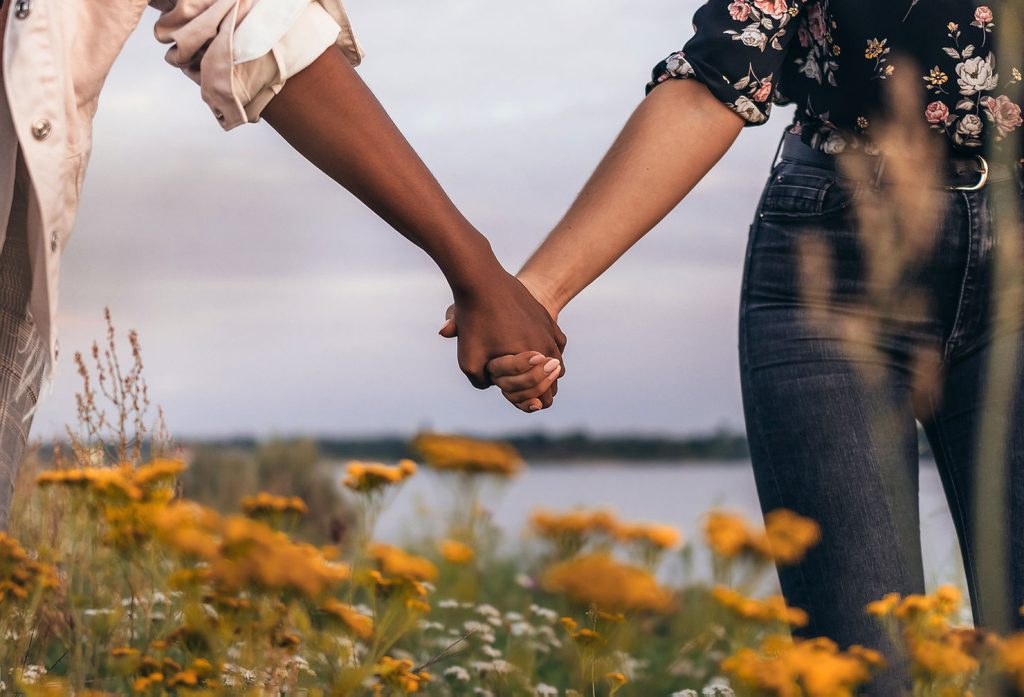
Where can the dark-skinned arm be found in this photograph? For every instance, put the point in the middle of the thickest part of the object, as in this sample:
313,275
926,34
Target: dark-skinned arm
329,115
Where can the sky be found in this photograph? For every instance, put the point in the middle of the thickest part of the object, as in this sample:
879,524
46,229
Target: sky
269,302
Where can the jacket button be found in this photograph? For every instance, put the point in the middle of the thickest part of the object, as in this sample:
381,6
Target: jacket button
54,241
22,9
41,129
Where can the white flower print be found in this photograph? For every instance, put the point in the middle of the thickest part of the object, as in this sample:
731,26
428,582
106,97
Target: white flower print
752,36
745,107
969,125
677,66
809,68
976,75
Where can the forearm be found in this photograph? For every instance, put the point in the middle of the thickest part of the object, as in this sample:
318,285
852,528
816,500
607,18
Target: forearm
672,140
331,117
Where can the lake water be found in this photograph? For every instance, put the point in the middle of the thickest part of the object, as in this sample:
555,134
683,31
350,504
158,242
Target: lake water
673,493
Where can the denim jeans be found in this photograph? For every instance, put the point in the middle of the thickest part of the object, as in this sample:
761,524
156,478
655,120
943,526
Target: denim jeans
843,349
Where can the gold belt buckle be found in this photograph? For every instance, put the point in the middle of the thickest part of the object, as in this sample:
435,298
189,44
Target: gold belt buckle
982,177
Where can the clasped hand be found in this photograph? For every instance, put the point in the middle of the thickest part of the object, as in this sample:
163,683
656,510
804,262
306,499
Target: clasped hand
508,339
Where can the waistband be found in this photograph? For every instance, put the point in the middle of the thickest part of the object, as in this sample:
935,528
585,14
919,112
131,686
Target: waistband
961,172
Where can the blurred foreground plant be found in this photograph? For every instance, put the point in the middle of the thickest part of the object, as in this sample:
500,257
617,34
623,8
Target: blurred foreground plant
122,586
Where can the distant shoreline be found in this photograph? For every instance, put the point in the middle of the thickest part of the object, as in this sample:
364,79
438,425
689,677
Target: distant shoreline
722,446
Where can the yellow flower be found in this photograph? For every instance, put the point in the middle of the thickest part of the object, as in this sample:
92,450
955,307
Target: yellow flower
417,605
936,77
885,606
399,675
575,526
264,504
456,552
1011,658
914,606
787,536
143,684
659,536
157,472
947,599
876,48
370,477
792,668
21,577
941,657
785,539
727,534
358,624
468,455
598,579
186,678
586,637
869,656
242,554
615,682
202,667
773,609
393,561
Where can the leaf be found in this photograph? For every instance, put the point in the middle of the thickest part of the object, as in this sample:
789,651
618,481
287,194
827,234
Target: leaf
965,104
952,52
766,22
742,83
969,51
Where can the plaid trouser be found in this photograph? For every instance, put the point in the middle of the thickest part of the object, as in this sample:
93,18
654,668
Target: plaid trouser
21,349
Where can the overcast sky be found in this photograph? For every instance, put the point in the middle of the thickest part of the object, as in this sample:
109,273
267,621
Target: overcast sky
270,302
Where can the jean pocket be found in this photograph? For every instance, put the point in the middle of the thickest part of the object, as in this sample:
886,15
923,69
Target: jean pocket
803,193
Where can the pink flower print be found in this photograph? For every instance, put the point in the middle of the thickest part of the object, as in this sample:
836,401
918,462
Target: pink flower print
936,112
1004,113
739,11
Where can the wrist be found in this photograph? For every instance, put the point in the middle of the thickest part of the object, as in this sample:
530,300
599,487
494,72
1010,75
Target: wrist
545,290
469,265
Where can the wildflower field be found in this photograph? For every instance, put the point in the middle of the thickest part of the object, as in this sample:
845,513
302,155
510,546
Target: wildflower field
112,581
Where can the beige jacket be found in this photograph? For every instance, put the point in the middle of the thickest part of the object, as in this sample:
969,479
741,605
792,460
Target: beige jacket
56,56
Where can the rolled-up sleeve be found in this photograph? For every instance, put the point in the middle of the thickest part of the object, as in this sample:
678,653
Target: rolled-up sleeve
737,50
241,52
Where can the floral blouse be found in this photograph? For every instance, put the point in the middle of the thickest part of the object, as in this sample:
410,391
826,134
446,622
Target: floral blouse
832,59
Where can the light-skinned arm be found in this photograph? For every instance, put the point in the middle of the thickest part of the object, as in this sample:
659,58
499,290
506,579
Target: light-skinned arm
671,141
332,118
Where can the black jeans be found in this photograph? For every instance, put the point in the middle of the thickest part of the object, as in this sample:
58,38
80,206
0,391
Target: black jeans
843,349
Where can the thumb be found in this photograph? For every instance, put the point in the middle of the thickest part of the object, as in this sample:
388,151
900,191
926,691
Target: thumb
450,330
